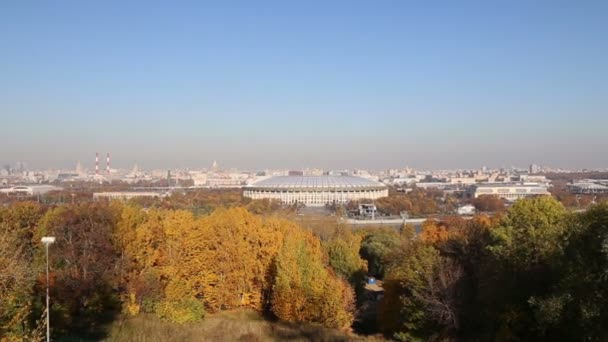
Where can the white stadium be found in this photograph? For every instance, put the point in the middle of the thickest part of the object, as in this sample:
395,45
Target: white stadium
316,190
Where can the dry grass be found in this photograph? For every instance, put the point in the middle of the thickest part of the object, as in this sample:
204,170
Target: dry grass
229,326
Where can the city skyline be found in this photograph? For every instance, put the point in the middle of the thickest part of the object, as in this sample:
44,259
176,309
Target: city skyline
102,167
286,85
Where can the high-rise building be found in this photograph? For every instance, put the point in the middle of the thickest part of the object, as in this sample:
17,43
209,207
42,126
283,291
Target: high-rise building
534,169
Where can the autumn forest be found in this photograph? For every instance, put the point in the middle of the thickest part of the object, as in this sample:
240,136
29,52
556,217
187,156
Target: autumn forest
536,271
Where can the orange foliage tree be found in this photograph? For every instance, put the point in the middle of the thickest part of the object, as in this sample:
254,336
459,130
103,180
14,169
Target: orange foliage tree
433,232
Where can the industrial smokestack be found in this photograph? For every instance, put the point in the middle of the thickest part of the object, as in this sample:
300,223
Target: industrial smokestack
108,163
96,163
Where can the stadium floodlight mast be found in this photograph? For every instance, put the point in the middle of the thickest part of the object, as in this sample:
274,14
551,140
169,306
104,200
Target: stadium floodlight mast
47,240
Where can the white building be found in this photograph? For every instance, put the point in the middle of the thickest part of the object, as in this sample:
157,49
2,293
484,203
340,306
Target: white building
30,190
510,192
466,210
463,180
368,210
224,182
534,179
126,195
199,178
434,185
316,190
400,181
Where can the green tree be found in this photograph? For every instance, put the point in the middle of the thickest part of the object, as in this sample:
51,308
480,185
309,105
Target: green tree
377,245
531,231
421,301
526,246
576,306
343,252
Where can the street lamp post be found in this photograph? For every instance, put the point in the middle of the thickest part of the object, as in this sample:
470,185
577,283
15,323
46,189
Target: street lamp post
47,240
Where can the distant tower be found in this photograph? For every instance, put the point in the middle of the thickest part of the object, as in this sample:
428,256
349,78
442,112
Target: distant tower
79,169
97,163
21,167
108,163
214,167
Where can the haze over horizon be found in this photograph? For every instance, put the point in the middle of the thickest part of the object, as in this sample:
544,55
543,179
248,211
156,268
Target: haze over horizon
314,84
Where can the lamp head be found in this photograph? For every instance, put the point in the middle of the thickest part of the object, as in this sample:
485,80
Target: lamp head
47,240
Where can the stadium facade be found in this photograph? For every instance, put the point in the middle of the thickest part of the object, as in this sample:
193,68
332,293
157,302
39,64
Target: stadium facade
316,190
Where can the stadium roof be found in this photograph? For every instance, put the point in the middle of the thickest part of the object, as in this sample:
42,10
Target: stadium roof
588,185
316,183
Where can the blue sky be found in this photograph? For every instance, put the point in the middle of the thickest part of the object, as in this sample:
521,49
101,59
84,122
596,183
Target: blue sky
333,84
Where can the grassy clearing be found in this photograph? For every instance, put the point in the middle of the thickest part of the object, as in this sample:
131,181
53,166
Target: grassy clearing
229,326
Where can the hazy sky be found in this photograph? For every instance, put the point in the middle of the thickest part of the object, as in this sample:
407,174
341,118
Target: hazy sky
333,84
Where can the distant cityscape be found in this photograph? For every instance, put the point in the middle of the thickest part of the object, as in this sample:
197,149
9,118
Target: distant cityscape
310,187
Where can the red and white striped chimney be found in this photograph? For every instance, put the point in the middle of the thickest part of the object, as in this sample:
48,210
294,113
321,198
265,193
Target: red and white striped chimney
108,163
96,163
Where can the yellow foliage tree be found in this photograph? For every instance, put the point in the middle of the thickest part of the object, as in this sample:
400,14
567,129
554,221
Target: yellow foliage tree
305,289
230,254
229,259
17,275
